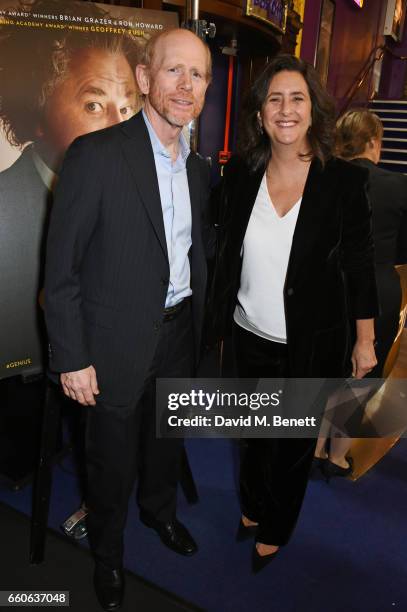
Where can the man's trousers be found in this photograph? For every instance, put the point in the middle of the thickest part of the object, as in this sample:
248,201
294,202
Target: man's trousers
121,443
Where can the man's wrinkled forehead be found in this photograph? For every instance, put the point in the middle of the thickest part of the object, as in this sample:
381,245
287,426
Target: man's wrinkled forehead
181,44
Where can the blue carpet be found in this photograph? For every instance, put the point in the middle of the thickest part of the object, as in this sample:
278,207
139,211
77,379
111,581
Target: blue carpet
348,552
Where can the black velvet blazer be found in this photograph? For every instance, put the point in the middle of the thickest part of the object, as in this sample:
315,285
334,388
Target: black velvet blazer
330,277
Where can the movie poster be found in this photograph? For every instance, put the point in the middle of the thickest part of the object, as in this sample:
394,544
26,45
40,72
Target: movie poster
66,68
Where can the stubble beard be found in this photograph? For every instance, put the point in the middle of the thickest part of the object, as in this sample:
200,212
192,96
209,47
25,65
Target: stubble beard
175,121
162,108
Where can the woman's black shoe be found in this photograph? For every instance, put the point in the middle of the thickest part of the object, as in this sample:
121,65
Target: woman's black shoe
318,463
245,533
330,469
260,561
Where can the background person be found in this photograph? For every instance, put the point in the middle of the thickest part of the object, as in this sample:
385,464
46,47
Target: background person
294,223
125,287
359,139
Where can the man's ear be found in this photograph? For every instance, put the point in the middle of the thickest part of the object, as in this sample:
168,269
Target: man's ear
143,78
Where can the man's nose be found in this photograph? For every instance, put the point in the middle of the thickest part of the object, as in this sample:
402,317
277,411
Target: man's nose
114,116
186,81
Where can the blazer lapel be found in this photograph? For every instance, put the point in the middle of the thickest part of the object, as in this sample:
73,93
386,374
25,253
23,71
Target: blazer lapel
311,214
139,155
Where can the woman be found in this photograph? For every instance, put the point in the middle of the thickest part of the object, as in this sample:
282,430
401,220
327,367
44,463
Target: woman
359,138
294,263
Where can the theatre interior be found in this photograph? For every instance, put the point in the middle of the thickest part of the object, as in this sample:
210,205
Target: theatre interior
348,550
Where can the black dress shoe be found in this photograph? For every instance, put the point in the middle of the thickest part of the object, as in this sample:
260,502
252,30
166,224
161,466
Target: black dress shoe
317,462
173,534
330,469
259,562
109,586
245,533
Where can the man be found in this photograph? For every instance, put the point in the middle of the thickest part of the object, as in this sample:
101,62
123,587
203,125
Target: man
69,83
125,285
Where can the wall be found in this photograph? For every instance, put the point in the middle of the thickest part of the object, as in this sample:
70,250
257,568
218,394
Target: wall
212,121
394,71
356,32
310,31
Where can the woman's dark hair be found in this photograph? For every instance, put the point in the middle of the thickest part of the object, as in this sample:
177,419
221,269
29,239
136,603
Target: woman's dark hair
254,145
354,130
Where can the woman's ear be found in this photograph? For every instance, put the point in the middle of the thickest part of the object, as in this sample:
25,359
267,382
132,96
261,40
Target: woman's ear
374,147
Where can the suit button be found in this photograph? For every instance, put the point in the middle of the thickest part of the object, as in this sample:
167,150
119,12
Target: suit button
290,291
156,325
164,281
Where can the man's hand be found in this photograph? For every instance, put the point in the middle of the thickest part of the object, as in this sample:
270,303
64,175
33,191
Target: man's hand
363,358
81,386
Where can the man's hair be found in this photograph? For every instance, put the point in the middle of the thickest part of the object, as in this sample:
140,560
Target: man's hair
33,61
151,46
354,130
254,144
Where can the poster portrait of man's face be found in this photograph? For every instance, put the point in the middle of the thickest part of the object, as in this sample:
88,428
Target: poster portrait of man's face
58,84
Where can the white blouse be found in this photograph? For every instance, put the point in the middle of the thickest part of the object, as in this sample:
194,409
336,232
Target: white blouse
266,251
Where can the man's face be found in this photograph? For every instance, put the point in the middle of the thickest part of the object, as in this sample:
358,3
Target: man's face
99,90
177,80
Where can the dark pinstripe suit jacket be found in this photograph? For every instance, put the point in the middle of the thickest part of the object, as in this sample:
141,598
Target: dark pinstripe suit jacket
107,267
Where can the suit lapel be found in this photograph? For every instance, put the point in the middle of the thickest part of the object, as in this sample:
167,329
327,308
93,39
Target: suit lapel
139,155
194,184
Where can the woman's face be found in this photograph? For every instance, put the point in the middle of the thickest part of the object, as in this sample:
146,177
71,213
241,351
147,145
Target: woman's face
286,112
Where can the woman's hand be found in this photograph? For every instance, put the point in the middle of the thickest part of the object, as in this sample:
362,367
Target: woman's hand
363,358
